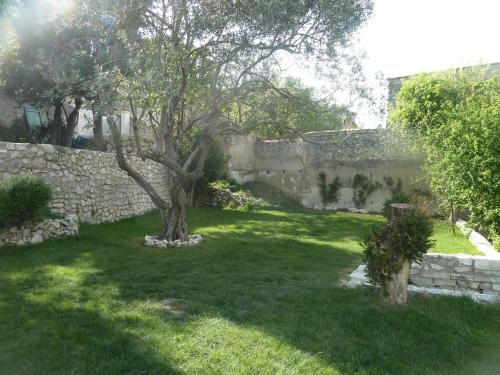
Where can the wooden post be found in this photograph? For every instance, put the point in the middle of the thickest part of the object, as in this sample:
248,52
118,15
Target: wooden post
396,292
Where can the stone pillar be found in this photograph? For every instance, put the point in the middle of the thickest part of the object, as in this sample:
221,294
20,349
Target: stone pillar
396,292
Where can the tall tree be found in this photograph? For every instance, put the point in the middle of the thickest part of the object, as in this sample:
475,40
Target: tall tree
455,117
41,69
193,60
52,59
286,108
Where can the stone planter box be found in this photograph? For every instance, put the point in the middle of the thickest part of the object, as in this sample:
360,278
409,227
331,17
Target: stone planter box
458,272
30,234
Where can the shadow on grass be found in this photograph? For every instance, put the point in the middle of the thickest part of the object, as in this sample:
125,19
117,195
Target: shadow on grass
258,270
51,338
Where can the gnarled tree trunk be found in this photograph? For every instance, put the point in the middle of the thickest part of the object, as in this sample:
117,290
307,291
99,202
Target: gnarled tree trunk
72,122
174,218
55,125
174,226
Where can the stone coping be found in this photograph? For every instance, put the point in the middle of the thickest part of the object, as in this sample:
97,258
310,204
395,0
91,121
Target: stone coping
478,240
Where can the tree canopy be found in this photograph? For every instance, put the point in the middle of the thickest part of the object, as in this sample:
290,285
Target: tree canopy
455,117
52,61
287,108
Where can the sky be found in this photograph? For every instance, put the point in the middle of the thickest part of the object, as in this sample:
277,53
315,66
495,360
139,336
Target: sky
405,37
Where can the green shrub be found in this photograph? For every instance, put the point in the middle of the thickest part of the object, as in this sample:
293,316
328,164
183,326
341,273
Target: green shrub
407,237
226,184
23,199
398,197
228,194
454,118
495,239
215,170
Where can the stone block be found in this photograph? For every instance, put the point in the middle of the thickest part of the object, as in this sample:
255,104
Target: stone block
444,282
436,267
487,264
37,238
473,284
420,281
485,286
415,271
435,274
483,278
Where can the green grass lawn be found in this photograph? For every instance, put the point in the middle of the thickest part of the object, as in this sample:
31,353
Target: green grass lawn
449,243
260,295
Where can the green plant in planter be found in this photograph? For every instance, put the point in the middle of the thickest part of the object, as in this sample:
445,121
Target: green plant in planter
386,249
363,187
329,192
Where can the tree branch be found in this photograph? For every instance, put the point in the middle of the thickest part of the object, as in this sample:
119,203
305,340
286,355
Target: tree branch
157,200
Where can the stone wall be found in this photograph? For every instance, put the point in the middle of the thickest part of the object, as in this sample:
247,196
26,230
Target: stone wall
294,165
37,233
458,272
86,183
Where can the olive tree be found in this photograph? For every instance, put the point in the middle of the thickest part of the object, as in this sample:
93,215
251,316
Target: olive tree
192,60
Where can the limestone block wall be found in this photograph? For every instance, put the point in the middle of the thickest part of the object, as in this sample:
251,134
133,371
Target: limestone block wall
458,272
294,165
86,183
39,232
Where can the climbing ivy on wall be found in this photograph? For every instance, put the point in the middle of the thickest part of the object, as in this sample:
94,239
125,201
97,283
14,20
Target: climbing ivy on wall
395,188
363,188
329,192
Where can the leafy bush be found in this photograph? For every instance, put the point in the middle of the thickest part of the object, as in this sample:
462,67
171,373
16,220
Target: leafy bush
20,132
23,199
398,197
455,119
407,237
225,184
215,170
225,194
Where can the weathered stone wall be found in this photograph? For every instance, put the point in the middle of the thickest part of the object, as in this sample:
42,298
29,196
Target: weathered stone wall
39,232
458,272
294,165
86,183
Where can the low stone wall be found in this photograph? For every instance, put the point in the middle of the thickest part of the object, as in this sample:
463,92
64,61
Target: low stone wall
86,183
37,233
458,272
